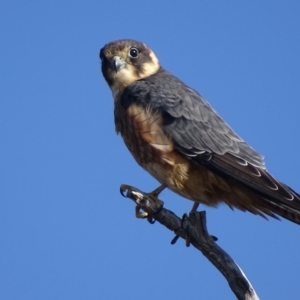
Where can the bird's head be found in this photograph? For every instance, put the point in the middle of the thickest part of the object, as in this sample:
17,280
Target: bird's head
125,61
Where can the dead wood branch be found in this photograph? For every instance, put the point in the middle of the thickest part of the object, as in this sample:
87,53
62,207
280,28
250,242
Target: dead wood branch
193,229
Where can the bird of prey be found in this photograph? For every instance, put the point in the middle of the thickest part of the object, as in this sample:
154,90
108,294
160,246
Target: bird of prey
175,135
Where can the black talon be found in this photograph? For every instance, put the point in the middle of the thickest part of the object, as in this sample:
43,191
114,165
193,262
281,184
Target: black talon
214,238
122,191
151,220
175,239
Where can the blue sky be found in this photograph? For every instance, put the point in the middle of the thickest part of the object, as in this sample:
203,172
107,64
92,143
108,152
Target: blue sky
65,231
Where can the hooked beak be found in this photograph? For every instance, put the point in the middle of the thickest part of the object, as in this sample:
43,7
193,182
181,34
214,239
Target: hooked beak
117,63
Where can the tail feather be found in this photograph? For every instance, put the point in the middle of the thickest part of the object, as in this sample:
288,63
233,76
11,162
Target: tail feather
285,212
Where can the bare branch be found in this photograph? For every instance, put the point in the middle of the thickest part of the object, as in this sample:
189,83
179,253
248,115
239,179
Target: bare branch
193,229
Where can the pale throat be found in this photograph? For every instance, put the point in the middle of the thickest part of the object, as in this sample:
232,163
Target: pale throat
127,75
122,79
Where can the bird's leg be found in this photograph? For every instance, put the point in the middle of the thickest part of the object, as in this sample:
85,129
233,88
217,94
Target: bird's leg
157,191
154,197
187,240
195,206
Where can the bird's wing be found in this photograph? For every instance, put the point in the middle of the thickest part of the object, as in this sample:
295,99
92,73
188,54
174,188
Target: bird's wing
198,132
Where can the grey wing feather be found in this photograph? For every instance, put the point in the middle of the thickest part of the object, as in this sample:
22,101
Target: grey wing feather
195,126
200,133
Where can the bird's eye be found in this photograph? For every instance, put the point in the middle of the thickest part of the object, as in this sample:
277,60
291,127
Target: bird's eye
133,52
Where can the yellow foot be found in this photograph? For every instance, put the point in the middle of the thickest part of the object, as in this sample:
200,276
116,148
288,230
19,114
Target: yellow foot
140,197
140,214
158,203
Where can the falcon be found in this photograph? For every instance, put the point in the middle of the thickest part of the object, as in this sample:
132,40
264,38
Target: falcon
175,135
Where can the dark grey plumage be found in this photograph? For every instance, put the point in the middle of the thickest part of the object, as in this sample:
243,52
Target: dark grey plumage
174,134
200,133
